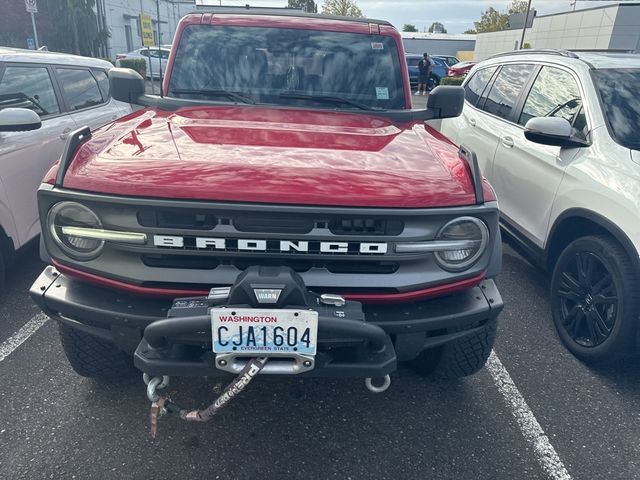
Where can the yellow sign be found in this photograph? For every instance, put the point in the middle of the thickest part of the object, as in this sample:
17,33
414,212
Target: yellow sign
147,30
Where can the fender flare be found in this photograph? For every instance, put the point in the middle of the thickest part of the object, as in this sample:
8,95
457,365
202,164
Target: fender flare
602,222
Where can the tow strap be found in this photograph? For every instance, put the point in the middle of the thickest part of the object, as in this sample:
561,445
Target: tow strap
161,405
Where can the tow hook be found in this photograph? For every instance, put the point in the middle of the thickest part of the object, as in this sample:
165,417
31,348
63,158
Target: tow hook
161,405
386,383
153,384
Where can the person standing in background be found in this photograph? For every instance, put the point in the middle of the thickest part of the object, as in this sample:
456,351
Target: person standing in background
424,68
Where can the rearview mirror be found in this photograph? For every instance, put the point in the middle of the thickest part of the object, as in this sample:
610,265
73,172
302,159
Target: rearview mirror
553,131
446,101
126,85
19,120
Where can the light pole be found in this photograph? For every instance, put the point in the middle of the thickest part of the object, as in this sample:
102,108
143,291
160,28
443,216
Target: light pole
524,29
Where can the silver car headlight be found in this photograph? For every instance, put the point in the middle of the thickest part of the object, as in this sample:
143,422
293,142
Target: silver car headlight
467,239
66,217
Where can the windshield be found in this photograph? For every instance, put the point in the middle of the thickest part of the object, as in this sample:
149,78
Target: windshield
267,65
621,104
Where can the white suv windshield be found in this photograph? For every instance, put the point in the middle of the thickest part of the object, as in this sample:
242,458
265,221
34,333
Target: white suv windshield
288,67
621,104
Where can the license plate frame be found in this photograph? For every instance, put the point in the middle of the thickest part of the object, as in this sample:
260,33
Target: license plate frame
264,340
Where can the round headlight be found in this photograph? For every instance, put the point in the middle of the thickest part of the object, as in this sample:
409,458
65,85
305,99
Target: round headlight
468,237
72,214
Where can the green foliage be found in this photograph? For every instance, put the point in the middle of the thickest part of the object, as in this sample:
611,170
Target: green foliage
492,21
452,80
518,6
308,6
471,31
437,27
75,27
137,64
408,27
526,45
345,8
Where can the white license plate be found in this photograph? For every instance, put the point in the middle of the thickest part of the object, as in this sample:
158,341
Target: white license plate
264,332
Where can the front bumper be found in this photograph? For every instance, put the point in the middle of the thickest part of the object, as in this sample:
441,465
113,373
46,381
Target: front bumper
347,347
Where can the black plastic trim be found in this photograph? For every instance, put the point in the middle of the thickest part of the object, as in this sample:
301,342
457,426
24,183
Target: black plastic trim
601,221
63,297
75,139
472,159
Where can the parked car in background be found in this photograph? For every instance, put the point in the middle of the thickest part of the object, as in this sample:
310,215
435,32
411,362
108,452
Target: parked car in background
54,94
448,59
439,69
556,134
154,57
460,69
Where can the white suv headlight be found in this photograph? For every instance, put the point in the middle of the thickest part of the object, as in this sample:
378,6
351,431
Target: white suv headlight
468,238
71,214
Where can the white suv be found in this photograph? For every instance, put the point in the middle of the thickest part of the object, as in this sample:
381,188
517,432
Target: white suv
558,136
65,92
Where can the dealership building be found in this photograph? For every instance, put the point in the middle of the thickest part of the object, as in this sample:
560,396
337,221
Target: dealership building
121,18
438,43
612,28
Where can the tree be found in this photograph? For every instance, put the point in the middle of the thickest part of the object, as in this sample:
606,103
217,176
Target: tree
492,21
471,31
437,27
308,6
345,8
63,26
408,27
76,27
518,6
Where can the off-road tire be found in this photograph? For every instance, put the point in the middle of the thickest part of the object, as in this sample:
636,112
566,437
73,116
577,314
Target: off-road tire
459,358
609,255
93,357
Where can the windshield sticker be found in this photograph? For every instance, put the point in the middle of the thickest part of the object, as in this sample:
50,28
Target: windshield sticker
382,93
377,46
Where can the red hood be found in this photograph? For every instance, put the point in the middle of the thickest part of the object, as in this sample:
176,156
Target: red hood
272,156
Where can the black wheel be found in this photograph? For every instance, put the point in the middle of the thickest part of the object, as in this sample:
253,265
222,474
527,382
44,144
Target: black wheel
93,357
593,299
460,358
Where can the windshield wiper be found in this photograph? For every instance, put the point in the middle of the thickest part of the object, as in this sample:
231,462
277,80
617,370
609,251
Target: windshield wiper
327,99
216,93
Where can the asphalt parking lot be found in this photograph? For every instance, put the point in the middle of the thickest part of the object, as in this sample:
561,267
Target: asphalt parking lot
55,424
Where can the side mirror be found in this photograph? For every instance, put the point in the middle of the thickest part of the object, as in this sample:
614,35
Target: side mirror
19,120
553,131
446,101
126,85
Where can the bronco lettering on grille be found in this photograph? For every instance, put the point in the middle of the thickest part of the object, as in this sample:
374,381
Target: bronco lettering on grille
254,245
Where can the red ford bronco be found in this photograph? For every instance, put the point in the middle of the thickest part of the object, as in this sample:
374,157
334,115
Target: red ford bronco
278,208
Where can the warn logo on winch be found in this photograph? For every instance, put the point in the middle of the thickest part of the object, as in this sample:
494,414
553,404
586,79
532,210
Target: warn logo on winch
273,246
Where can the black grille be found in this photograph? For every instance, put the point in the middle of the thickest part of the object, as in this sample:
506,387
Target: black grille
242,263
273,224
365,226
192,220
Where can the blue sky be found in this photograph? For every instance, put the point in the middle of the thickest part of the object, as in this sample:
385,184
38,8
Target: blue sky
456,15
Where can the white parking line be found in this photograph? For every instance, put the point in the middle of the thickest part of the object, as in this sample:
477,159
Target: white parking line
529,426
14,341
